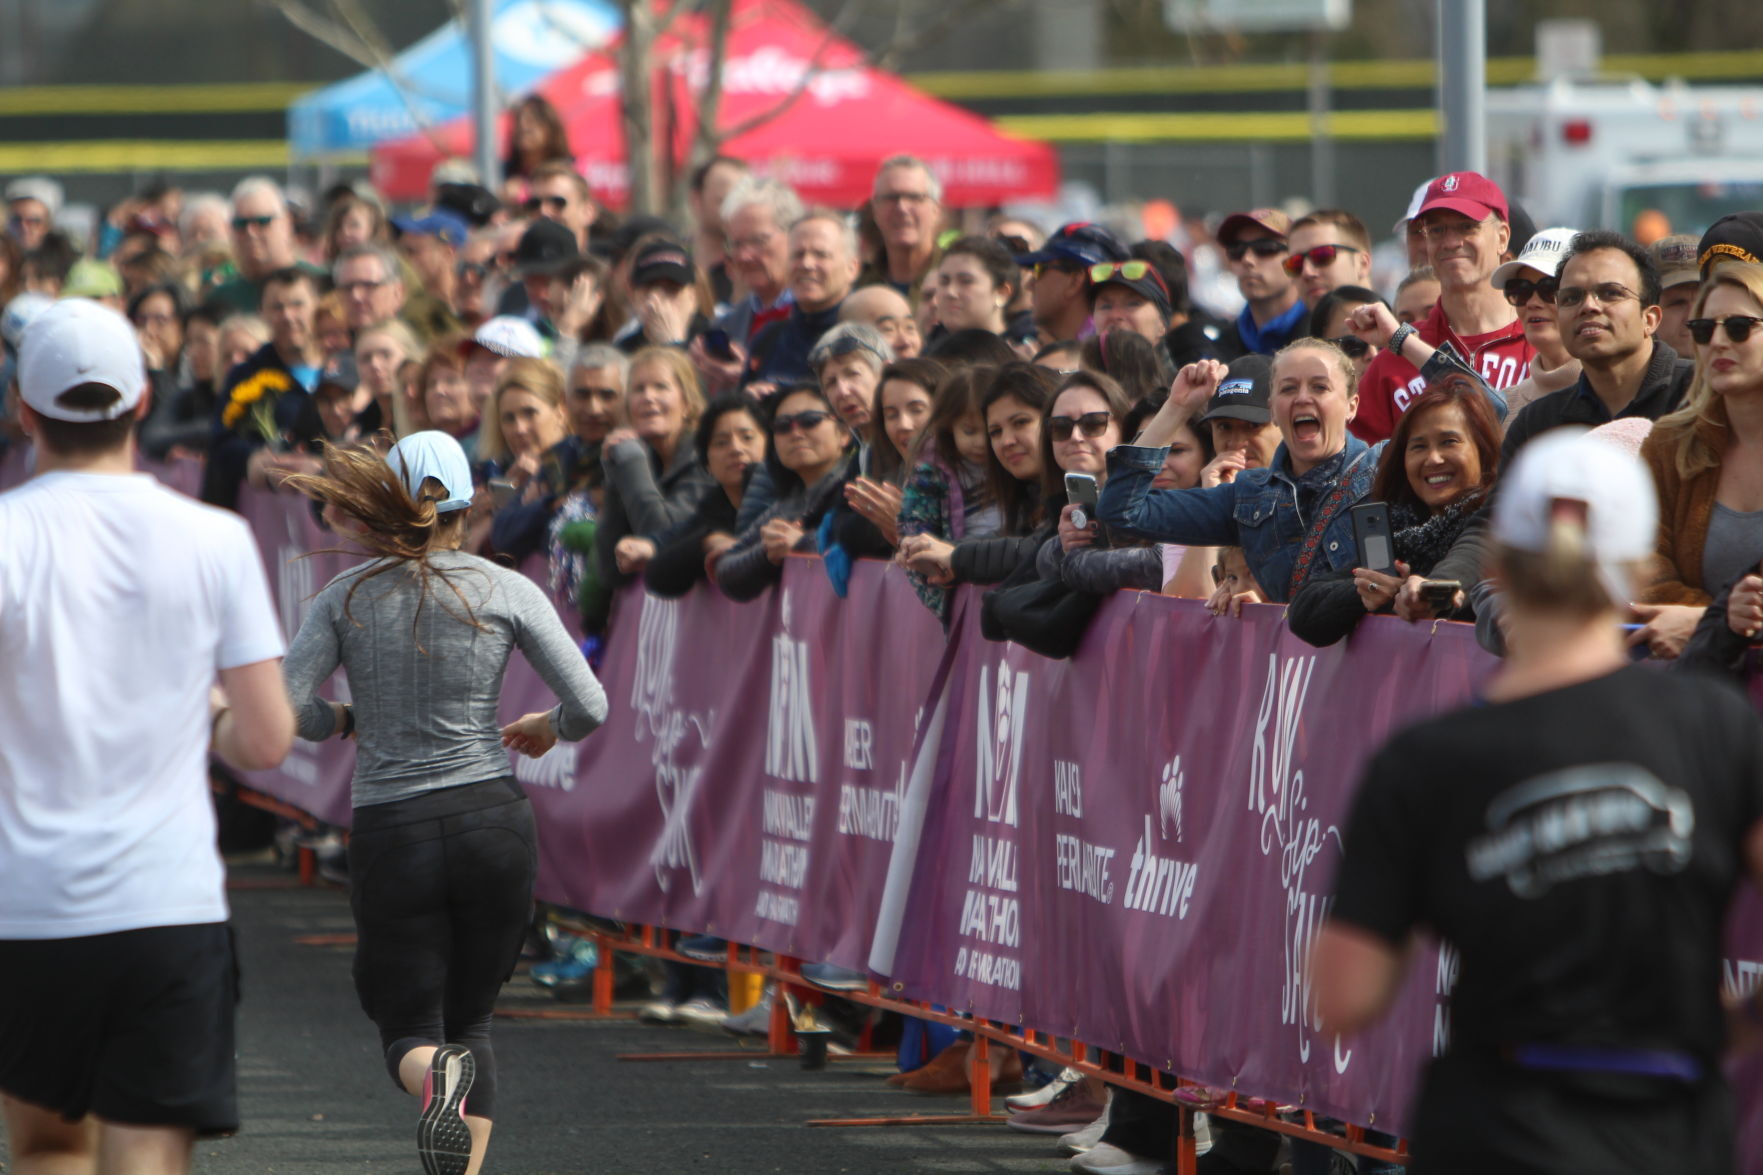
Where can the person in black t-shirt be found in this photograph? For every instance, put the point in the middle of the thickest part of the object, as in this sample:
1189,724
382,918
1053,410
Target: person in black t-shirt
1577,837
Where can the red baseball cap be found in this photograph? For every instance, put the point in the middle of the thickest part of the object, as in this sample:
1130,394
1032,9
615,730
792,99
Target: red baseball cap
1468,192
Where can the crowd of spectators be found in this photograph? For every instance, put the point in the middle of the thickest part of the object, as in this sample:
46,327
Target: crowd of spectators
997,403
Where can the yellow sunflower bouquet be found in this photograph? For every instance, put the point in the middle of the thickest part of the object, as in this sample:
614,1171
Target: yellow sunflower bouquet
253,400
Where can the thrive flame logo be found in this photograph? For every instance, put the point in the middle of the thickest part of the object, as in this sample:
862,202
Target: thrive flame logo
791,751
1169,800
1001,721
1276,791
652,700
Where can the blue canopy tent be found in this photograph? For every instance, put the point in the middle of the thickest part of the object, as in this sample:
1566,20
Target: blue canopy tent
430,82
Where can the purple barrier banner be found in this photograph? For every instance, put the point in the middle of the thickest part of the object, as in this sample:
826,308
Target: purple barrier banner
747,783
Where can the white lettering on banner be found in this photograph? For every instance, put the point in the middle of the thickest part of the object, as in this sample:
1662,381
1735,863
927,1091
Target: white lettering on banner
993,863
293,578
781,863
859,745
555,768
777,907
790,749
870,811
1068,792
1444,982
1276,792
1001,722
1158,885
676,784
783,814
1083,867
1740,978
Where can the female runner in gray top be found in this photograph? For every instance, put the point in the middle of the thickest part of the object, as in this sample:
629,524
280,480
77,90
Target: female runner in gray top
442,855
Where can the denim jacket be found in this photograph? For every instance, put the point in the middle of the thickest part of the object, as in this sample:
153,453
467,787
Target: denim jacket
1257,512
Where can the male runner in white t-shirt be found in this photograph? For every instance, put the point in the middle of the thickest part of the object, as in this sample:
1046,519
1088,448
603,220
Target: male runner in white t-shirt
120,603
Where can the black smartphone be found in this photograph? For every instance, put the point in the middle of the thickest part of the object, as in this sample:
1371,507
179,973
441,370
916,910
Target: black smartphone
717,345
1080,491
1440,594
1371,533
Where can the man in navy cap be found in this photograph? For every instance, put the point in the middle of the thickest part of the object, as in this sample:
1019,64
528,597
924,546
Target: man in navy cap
430,246
1061,268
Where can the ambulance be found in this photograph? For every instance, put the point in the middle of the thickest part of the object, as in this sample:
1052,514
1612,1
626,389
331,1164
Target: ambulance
1645,160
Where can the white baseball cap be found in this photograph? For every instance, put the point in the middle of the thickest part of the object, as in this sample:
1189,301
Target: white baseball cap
1544,252
1572,465
423,455
1400,228
513,338
75,342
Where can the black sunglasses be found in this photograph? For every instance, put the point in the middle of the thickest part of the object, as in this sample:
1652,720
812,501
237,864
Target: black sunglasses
1352,346
1738,328
1519,289
802,420
535,203
1260,246
1092,425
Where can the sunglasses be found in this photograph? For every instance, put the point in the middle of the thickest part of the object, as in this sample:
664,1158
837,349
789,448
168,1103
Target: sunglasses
1056,267
241,223
1321,257
1606,293
1738,328
556,203
850,345
1132,271
1017,245
1352,346
473,270
1260,247
1091,424
805,421
1519,289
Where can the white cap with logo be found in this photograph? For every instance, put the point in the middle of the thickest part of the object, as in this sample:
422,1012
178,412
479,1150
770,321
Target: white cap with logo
423,455
77,342
1544,252
1572,465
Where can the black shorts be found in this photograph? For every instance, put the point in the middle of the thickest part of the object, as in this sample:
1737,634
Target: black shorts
135,1027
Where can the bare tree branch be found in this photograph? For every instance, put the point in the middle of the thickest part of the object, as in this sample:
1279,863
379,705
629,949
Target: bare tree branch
815,67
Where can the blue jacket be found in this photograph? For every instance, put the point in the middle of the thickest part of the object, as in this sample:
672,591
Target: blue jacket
1257,512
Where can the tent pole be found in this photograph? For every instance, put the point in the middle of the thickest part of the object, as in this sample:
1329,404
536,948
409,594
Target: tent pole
483,92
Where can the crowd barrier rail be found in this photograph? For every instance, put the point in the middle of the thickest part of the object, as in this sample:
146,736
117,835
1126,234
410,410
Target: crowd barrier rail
1130,850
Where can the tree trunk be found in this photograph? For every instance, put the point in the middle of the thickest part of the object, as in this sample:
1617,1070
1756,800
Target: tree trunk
635,66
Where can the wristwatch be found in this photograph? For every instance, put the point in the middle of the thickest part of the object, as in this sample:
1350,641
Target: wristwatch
1400,336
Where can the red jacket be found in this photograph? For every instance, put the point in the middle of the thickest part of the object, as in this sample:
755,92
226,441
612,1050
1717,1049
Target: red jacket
1391,383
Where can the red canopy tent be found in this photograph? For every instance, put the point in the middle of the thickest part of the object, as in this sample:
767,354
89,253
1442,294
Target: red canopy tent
825,143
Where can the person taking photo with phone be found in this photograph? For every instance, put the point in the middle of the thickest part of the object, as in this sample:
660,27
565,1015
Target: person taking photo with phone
1435,474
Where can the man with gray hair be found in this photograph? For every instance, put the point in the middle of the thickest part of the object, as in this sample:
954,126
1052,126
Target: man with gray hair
756,217
367,278
263,242
823,266
908,209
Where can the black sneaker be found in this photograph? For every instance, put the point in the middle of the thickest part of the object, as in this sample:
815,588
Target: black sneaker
443,1141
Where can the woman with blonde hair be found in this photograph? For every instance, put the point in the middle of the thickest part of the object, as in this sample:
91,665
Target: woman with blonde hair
524,421
380,354
653,476
1707,462
442,855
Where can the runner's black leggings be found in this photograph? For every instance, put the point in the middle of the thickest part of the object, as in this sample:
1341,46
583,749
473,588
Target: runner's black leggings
441,885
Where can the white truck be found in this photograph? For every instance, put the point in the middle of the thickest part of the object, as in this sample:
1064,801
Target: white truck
1645,160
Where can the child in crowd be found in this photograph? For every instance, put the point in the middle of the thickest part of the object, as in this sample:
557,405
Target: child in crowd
1236,585
948,494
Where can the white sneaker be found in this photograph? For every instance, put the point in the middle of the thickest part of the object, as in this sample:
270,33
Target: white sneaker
1079,1141
701,1013
1108,1159
658,1012
1034,1099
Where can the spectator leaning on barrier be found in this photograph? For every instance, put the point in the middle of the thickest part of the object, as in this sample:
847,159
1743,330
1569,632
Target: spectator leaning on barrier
1435,475
809,452
1464,219
731,442
114,643
1699,455
1577,834
523,425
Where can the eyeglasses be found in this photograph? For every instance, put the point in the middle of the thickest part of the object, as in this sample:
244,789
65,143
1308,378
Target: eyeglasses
1091,424
1567,297
1260,247
806,421
1519,289
362,286
1056,267
902,197
1738,328
241,223
538,203
1352,346
1321,257
473,270
1450,228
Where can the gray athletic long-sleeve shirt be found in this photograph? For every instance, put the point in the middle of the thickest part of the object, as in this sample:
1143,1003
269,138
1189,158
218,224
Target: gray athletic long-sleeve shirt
425,698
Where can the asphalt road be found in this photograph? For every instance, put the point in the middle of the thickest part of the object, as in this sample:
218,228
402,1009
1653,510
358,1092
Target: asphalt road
315,1096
